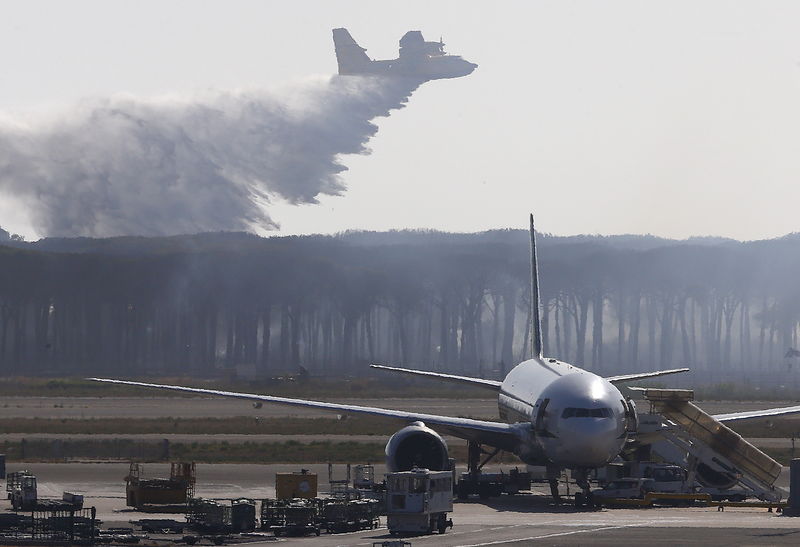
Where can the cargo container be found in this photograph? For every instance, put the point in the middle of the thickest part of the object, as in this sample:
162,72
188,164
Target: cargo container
301,484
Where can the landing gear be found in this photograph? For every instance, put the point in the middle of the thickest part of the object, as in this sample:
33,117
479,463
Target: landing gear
554,491
583,499
474,452
553,477
474,482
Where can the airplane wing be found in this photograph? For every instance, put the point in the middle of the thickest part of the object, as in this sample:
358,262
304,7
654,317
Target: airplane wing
642,375
756,414
477,382
500,435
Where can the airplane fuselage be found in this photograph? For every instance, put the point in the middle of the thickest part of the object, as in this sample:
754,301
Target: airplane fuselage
578,418
418,59
427,68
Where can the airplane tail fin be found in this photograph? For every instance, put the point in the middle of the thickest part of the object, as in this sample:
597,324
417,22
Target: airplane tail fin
536,319
351,57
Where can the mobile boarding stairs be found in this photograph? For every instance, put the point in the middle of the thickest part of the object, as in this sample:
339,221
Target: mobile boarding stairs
682,433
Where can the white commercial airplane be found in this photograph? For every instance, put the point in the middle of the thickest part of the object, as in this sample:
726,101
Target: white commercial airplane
554,414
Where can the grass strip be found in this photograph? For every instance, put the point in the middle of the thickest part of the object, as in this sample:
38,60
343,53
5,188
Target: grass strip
246,425
210,452
256,425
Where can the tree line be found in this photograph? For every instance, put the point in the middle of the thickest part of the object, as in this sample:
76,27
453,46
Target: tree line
210,303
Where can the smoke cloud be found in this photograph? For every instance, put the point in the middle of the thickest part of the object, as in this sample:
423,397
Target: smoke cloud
123,166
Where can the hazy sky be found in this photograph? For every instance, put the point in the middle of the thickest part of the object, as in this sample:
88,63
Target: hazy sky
671,118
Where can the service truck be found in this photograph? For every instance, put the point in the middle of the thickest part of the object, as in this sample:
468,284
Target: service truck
22,491
417,501
666,477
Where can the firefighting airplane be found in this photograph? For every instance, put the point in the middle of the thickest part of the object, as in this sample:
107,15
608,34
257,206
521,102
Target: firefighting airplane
417,59
554,414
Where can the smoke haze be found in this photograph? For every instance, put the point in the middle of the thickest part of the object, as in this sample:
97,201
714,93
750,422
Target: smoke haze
123,166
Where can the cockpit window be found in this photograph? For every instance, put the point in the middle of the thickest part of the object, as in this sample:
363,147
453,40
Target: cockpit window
586,413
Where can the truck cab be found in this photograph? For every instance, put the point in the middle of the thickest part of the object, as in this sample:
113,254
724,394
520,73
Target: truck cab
666,478
22,490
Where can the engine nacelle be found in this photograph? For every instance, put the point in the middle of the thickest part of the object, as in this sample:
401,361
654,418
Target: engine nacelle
715,479
416,446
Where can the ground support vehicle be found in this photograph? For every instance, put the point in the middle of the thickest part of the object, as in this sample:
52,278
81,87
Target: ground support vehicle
643,492
418,501
160,526
178,489
627,487
338,515
726,494
666,477
364,513
333,515
659,484
243,515
677,431
296,517
487,485
208,516
271,515
22,490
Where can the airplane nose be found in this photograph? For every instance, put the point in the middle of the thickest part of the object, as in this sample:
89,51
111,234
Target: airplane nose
585,442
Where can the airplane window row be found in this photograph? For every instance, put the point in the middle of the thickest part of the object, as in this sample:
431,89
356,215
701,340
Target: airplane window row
586,413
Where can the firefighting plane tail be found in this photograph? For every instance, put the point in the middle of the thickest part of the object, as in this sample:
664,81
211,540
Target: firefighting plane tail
417,59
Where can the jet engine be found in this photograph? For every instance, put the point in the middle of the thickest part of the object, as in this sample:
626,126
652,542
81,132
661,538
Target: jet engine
715,479
416,446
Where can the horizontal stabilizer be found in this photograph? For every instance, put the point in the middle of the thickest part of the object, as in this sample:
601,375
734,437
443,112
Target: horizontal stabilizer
477,382
643,375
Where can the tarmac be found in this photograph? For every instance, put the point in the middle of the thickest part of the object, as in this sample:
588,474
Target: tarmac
518,520
510,520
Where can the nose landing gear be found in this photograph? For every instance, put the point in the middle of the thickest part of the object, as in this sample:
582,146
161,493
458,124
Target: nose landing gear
583,499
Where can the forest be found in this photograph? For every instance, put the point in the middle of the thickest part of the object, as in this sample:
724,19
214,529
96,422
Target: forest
211,304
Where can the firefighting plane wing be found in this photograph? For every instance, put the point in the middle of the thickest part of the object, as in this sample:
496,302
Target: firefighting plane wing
417,59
